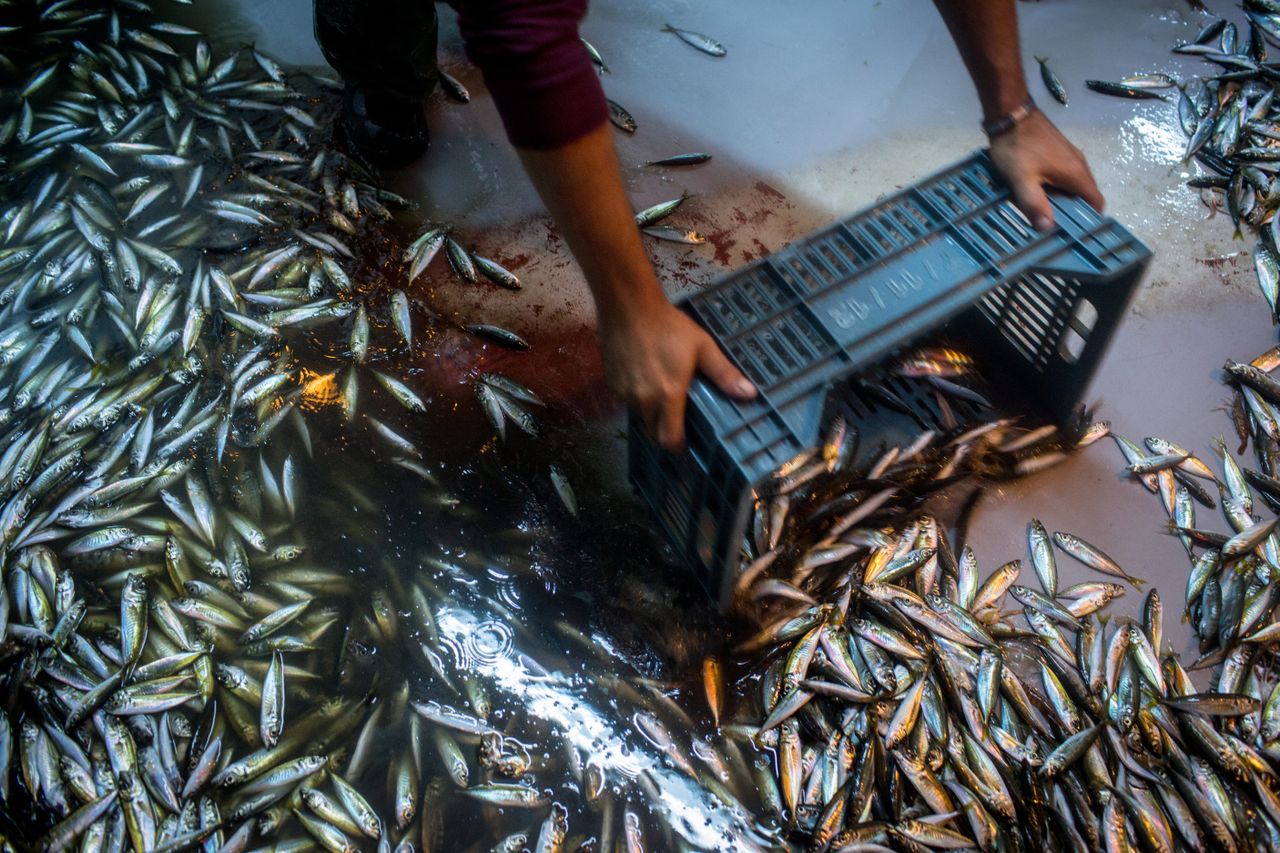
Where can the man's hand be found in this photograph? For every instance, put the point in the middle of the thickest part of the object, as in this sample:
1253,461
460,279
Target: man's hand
651,350
651,357
1033,156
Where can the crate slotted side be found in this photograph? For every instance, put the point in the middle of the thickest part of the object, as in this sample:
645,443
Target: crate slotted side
948,255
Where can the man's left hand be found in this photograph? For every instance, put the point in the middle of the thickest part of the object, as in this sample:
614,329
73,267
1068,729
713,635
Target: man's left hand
1034,156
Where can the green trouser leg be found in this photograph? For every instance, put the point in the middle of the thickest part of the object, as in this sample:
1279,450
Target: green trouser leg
385,48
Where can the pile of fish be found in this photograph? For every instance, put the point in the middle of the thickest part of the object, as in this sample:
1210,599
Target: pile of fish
1230,119
1230,122
192,654
907,705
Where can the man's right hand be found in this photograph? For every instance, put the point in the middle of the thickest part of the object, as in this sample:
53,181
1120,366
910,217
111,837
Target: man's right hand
651,351
651,357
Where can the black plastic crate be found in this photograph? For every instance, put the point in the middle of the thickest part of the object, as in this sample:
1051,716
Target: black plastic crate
949,257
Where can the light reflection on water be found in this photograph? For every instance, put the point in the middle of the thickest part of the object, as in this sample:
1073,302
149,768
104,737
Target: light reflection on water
524,606
560,699
1146,140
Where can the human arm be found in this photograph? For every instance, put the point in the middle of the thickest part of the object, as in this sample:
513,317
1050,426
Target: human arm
1033,154
651,350
554,111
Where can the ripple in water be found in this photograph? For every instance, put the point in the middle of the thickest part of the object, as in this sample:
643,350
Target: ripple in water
490,641
506,587
482,644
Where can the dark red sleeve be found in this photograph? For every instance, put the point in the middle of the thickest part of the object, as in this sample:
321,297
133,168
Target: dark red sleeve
536,68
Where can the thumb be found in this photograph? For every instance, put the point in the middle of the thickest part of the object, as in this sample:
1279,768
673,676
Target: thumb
716,366
1029,195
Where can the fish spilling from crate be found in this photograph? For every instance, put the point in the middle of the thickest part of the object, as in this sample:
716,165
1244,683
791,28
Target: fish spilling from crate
832,326
913,698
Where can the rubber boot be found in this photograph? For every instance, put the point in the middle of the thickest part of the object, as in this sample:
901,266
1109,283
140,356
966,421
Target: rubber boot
385,51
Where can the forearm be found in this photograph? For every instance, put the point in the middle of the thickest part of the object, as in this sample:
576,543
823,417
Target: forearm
651,350
581,185
986,33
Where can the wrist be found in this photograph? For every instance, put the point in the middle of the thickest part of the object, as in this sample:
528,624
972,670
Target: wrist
1004,123
1005,98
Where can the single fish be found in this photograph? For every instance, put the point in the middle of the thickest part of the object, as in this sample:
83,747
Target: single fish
564,490
460,260
703,43
1120,90
621,119
492,408
1149,81
499,335
674,234
1215,704
423,251
692,159
1042,559
596,58
1248,539
271,724
496,273
400,316
360,335
402,392
453,88
1092,557
512,388
1051,81
659,211
507,796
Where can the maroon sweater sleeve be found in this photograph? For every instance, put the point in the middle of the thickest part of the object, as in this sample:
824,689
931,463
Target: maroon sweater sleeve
536,68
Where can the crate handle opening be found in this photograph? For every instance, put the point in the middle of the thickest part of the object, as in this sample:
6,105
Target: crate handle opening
1083,317
1071,345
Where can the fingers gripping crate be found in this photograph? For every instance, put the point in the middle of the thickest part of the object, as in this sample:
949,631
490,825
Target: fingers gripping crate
948,257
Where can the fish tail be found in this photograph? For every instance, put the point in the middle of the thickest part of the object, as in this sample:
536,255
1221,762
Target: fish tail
1137,582
1042,59
667,28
